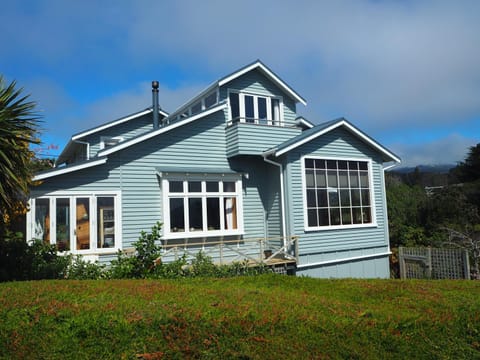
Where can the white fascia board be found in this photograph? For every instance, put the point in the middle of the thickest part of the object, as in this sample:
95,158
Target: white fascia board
108,125
165,129
305,122
332,127
68,169
270,74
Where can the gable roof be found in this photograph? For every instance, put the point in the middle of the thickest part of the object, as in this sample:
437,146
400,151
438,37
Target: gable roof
226,79
258,65
321,129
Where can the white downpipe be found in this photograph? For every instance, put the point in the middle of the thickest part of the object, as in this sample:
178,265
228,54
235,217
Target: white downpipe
282,201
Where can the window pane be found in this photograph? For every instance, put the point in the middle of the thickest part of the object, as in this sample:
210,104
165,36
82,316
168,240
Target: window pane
211,100
346,216
196,108
355,194
343,179
309,163
323,218
234,105
354,179
312,217
332,179
322,198
353,165
82,229
195,214
320,164
334,216
262,108
342,164
212,186
367,215
63,223
333,197
365,197
311,199
194,186
331,164
321,178
230,215
213,214
177,223
42,220
357,215
249,111
345,197
176,186
309,177
363,165
364,179
229,186
106,222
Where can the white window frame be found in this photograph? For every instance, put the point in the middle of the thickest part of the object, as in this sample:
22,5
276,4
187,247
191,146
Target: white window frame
72,196
373,223
241,103
185,195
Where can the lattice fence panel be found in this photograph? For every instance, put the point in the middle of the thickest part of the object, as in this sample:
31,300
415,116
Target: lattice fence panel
433,263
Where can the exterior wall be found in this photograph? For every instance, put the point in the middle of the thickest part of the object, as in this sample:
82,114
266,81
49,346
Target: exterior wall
377,267
254,139
133,172
256,83
329,244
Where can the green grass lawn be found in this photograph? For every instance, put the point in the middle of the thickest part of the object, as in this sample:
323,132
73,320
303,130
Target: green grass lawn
264,317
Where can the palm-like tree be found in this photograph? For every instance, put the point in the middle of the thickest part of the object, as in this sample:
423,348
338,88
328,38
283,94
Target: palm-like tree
19,125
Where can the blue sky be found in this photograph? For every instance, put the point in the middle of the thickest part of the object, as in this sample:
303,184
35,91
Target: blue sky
405,72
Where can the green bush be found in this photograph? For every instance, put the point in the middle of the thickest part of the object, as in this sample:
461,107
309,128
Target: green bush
80,269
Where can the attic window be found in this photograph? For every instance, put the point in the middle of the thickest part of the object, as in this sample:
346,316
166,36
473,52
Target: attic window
107,141
255,109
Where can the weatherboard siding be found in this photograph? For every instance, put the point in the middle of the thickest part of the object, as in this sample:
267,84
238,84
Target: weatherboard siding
254,139
313,245
256,83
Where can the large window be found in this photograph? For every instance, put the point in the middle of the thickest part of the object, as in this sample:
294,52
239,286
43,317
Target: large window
255,109
202,207
77,223
338,193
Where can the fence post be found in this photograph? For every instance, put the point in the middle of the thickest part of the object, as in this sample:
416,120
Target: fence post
401,262
428,263
466,264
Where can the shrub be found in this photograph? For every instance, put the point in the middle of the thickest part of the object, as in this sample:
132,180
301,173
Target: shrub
80,269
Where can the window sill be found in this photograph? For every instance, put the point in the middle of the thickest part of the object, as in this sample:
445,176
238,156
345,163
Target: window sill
340,227
201,234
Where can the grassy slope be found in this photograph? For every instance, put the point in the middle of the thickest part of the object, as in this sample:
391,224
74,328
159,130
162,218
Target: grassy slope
251,317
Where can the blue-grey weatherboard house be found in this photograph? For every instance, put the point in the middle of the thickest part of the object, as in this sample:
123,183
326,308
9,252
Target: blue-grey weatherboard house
233,172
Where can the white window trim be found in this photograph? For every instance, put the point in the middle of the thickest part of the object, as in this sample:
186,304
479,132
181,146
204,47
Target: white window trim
241,104
103,139
167,234
72,195
338,227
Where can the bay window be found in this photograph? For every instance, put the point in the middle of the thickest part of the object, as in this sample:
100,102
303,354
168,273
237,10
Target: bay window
197,207
337,193
254,109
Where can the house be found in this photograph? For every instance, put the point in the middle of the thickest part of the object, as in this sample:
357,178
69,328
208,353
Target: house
233,172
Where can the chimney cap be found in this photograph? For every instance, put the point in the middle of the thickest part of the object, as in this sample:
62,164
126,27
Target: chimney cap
155,84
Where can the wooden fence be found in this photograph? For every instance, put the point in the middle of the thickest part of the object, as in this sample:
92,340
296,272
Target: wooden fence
433,263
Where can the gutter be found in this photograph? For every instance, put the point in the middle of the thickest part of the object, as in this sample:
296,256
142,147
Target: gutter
282,200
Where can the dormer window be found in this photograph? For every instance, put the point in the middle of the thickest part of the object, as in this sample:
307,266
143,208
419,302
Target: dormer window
108,141
254,109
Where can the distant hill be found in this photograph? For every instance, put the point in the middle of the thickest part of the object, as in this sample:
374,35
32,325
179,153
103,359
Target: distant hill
436,169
